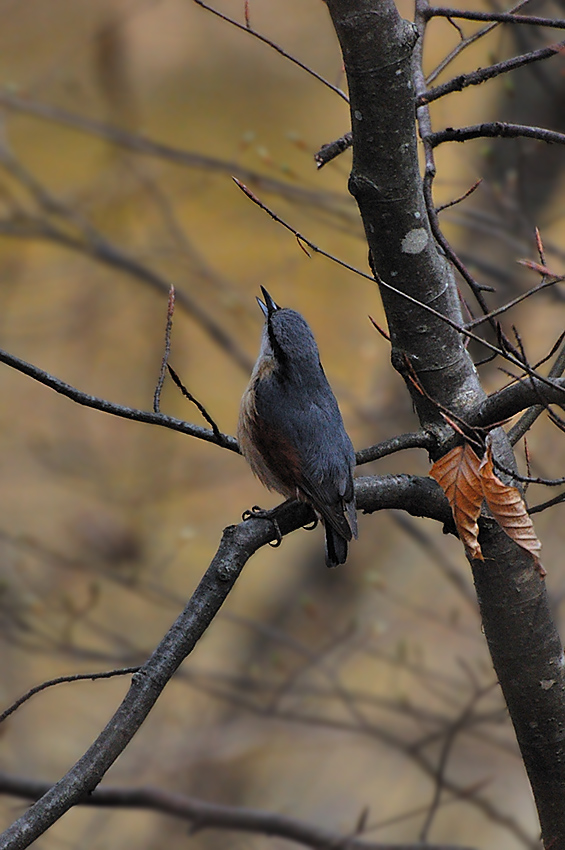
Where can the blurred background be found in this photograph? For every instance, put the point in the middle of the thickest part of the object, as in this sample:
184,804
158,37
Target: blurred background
321,695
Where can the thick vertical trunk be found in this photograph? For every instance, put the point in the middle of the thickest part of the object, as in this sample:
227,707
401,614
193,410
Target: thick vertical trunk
377,48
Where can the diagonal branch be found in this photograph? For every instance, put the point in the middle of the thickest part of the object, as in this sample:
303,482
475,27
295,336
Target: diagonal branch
274,47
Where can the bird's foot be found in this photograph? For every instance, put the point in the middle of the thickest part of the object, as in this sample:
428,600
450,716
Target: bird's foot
311,525
260,513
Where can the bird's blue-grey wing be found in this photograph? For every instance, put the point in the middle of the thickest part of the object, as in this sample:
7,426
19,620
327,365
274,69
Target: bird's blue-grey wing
312,439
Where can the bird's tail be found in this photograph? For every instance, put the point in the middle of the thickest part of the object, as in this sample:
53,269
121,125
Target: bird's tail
336,547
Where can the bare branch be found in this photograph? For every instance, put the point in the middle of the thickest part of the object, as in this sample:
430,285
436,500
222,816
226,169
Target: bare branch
494,129
194,401
152,418
333,149
543,285
500,17
475,78
466,42
76,677
202,814
515,398
247,28
557,500
418,440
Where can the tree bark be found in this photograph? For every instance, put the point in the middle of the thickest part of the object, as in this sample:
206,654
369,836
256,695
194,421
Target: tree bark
378,47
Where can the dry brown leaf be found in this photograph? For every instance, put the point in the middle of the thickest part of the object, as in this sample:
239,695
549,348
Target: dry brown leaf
509,510
457,473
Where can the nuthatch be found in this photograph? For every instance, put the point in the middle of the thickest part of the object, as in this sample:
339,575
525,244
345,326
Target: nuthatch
290,429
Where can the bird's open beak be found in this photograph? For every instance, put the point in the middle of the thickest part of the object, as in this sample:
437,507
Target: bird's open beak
269,306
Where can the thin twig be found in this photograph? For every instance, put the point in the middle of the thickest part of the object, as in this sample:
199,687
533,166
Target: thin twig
526,421
503,352
195,401
475,78
500,17
462,197
526,479
557,500
77,677
517,300
246,28
494,129
166,351
471,39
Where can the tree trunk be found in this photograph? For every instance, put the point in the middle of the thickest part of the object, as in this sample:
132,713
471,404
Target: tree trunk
378,49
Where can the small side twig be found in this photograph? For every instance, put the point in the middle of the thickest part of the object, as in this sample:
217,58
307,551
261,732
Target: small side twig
462,197
247,28
526,479
529,417
166,351
504,349
195,401
475,78
77,677
499,17
333,149
494,129
543,285
537,509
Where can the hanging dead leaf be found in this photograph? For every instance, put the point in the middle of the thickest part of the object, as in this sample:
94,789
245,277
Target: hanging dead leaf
457,473
508,509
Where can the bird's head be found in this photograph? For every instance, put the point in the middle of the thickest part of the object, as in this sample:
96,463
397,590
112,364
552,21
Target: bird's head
287,337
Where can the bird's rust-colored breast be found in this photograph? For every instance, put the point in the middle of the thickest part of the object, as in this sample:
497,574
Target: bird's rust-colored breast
272,458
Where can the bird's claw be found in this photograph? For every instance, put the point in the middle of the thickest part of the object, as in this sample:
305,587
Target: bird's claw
255,513
260,513
311,525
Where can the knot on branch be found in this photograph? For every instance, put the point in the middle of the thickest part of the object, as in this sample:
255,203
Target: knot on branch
364,189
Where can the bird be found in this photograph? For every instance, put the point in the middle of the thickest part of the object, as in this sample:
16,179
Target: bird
290,428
